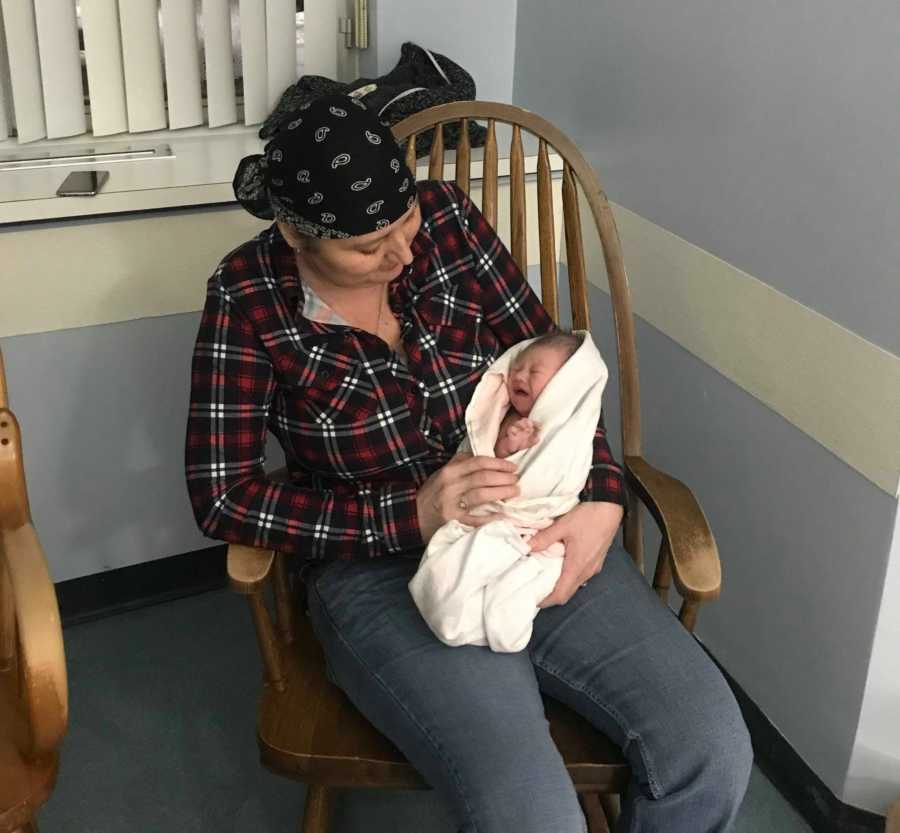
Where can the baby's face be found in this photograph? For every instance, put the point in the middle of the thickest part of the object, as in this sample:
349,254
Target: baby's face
529,374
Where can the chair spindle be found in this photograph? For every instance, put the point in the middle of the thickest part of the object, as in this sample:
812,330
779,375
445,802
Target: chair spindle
489,177
688,614
411,153
581,317
268,645
517,219
463,156
547,234
284,607
632,533
436,162
662,579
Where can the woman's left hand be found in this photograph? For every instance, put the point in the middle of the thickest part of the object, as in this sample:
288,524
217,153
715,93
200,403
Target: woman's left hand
587,531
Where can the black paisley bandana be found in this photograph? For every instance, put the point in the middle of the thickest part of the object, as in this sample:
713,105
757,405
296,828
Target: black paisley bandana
331,170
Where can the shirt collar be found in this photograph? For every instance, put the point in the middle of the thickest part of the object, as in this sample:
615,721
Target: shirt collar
313,315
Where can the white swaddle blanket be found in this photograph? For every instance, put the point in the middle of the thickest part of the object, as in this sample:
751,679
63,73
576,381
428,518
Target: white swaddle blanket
480,586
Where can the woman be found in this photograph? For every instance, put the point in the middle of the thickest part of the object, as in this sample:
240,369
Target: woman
356,328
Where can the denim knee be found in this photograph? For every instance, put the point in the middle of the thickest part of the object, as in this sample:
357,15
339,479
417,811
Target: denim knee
721,753
735,756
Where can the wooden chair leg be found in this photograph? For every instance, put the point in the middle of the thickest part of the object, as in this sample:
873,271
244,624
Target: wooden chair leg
611,807
317,812
594,813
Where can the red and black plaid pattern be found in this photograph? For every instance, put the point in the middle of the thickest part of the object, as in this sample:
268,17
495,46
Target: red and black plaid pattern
361,430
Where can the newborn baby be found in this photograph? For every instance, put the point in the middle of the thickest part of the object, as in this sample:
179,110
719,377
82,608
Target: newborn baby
482,585
536,365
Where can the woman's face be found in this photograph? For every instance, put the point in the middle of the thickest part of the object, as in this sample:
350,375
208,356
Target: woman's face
368,259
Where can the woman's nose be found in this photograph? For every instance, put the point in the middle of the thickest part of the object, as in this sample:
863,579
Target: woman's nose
400,248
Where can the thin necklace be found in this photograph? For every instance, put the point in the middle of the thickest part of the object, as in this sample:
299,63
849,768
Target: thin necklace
380,313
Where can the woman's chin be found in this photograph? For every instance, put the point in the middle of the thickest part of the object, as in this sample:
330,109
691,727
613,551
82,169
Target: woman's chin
386,276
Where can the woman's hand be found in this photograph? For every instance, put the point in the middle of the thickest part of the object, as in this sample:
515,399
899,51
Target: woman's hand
587,532
463,484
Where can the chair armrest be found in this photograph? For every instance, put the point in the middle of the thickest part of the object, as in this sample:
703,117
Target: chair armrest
248,567
696,569
41,657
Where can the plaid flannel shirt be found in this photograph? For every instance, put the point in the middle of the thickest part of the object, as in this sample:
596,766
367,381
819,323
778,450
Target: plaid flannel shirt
361,429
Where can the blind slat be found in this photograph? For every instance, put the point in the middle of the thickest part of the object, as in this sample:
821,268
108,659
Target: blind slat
6,121
281,47
182,62
106,75
320,38
24,69
57,31
143,65
220,101
253,60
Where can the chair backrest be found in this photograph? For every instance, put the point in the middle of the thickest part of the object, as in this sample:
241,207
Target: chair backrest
578,176
31,644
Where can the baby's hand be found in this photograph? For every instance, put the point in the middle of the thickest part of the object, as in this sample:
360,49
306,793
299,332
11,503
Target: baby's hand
524,432
520,433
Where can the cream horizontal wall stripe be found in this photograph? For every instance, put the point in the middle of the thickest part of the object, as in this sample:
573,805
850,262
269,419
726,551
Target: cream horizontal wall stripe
835,386
75,275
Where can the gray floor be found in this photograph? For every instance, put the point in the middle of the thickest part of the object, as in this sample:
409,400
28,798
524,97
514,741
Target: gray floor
161,738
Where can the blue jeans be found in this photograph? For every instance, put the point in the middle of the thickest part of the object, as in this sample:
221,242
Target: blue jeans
472,722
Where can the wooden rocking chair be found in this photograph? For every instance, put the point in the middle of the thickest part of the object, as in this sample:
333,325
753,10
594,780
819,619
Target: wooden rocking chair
307,729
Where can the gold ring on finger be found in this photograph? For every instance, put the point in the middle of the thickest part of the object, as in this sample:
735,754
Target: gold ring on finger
463,505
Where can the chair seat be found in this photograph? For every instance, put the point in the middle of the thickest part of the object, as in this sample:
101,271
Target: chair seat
24,785
313,733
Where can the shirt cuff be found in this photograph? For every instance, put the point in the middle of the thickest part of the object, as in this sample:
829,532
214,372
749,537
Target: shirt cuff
399,517
605,485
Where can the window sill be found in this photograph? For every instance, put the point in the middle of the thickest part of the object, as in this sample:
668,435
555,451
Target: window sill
198,174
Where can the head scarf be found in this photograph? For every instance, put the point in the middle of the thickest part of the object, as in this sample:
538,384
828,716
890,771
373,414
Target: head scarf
332,170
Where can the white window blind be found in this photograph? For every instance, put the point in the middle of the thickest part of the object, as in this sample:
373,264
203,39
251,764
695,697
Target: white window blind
220,98
69,67
142,57
105,70
24,69
57,33
5,88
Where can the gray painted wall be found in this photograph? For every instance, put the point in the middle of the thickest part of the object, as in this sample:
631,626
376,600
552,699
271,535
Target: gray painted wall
789,567
481,37
765,133
759,133
103,411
